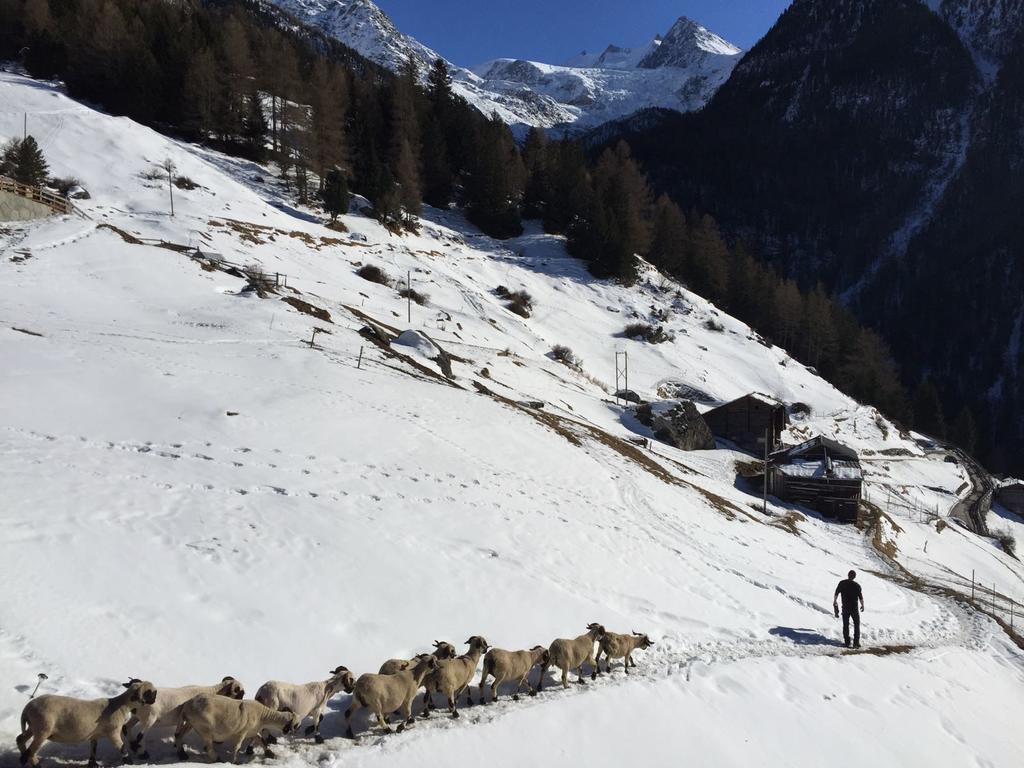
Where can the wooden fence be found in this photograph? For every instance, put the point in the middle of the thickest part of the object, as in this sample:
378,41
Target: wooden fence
51,200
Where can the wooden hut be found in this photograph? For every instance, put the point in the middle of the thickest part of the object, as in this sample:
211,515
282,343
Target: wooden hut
746,420
821,474
1011,495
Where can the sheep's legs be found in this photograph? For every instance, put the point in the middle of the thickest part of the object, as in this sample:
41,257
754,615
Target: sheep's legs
607,663
315,729
406,714
565,677
211,753
494,691
348,718
452,703
581,681
23,741
595,668
30,755
540,680
383,722
120,745
179,736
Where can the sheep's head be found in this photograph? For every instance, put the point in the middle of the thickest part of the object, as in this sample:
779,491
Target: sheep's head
645,641
231,688
543,655
477,643
444,650
344,679
596,629
141,691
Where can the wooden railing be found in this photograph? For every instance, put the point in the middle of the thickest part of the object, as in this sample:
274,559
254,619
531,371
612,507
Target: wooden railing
37,194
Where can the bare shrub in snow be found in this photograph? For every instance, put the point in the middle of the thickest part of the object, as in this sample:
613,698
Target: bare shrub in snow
412,293
374,274
566,356
714,325
646,332
184,182
521,303
1007,542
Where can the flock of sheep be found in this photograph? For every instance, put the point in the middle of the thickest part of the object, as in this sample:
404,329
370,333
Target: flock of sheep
220,715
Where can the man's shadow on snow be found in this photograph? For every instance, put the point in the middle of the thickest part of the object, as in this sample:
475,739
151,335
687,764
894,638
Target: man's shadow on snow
803,636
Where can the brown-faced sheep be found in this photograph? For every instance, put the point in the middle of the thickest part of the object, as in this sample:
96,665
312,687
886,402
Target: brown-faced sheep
70,721
573,654
223,720
307,699
442,650
384,694
512,665
454,676
615,646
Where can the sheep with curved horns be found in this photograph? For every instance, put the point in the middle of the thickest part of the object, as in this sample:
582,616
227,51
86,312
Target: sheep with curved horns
615,646
454,676
166,710
384,694
572,654
67,720
442,650
306,700
512,665
223,720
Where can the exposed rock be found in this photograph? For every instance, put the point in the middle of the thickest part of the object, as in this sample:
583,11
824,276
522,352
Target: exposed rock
683,426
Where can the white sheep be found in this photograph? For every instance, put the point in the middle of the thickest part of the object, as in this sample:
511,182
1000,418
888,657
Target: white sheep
454,676
307,700
442,650
166,710
512,665
615,646
384,694
573,654
224,720
70,721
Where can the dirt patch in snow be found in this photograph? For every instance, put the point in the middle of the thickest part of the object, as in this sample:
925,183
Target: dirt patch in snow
308,309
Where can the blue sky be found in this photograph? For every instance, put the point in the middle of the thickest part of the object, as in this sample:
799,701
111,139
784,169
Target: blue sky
468,32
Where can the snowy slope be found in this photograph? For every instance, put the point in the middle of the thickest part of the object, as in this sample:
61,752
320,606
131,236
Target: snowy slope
680,71
193,491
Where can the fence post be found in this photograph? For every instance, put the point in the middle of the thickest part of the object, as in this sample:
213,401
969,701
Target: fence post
359,362
972,585
993,598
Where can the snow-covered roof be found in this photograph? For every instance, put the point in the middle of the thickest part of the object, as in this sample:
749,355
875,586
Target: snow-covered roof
833,448
760,397
821,468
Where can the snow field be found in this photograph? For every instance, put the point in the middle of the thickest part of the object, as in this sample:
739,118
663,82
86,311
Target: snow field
347,516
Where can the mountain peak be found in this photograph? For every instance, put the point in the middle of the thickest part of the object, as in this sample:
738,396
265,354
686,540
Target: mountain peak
686,44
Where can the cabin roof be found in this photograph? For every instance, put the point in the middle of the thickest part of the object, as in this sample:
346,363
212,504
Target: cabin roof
759,397
835,451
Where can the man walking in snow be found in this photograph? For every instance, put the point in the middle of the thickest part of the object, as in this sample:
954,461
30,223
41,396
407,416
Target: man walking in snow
852,593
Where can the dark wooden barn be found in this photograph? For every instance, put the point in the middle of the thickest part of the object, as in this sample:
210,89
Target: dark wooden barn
1011,496
746,420
821,474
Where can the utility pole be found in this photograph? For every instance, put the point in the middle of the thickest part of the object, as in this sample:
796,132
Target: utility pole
764,496
170,168
621,372
24,129
408,297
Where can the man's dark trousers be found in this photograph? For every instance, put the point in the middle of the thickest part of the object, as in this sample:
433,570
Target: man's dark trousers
851,613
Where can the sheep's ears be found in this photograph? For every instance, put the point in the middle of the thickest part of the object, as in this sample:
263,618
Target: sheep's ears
339,670
227,679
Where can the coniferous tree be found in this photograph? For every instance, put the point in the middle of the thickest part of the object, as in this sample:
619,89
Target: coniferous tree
494,182
328,101
30,166
538,186
200,94
668,238
405,140
335,194
964,431
569,186
928,415
254,129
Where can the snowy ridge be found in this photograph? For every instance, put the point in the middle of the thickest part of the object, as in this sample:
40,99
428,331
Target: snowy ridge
192,490
680,71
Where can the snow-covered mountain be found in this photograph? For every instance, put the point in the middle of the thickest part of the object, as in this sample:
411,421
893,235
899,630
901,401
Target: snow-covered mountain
192,488
680,70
